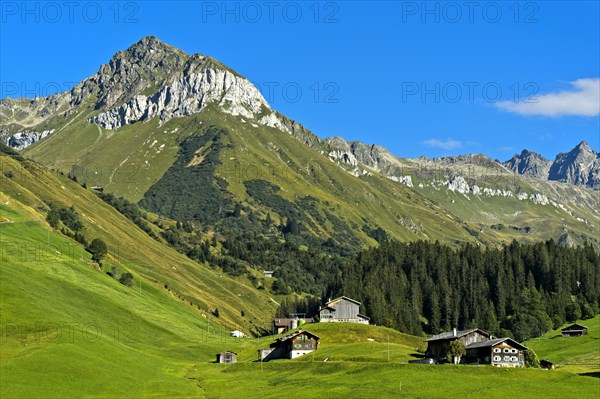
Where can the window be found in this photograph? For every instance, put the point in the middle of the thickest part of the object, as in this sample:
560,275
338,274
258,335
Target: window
515,359
507,358
506,350
497,350
497,358
513,351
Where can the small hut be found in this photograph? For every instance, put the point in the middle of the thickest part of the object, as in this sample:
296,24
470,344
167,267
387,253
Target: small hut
574,330
226,357
547,364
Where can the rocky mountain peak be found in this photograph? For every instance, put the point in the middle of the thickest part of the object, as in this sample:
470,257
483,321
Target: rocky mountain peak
580,166
143,67
529,163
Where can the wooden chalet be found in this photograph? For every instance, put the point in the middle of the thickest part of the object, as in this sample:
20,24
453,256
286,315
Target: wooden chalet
290,346
439,344
342,309
501,352
226,357
574,330
480,346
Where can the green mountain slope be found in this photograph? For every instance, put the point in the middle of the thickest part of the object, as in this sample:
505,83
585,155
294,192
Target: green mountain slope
152,262
126,128
572,353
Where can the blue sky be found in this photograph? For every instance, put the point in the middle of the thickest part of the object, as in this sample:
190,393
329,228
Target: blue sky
421,78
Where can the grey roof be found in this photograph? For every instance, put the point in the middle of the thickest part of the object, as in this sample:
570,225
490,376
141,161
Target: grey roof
574,327
292,335
494,342
450,334
343,297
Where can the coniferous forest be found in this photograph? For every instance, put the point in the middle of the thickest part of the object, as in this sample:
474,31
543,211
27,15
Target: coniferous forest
519,290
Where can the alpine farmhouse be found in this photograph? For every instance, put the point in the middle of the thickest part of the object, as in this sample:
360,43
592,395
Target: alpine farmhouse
290,346
480,346
342,310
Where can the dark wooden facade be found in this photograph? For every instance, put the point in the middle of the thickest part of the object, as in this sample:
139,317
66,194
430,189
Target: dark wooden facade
546,364
574,330
481,348
290,346
438,345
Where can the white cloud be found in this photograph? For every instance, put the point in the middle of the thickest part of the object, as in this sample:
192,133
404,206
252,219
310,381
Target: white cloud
448,144
582,100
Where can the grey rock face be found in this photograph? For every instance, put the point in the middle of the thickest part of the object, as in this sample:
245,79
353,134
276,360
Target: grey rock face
143,66
189,92
529,163
23,140
373,156
580,166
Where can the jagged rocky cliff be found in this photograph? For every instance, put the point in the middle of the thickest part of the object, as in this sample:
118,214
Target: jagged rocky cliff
151,80
580,166
529,163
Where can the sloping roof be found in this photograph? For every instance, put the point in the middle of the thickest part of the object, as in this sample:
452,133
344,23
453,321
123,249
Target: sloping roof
364,317
450,334
494,342
295,334
326,307
574,327
223,353
343,297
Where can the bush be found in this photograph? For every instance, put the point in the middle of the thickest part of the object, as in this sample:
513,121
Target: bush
98,249
126,279
455,352
531,359
68,216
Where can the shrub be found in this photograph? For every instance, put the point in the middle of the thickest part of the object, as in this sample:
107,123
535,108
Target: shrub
127,280
455,352
98,249
531,359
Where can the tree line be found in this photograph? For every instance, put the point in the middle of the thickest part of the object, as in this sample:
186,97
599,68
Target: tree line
518,290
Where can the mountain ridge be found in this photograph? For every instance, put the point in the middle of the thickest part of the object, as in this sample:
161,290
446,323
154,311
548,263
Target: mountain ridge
126,128
153,79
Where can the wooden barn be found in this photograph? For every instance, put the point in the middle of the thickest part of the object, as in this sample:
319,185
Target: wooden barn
438,345
226,357
290,346
480,346
546,364
501,352
342,309
574,330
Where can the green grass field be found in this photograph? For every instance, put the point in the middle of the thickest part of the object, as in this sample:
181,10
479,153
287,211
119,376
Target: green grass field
572,353
361,364
70,331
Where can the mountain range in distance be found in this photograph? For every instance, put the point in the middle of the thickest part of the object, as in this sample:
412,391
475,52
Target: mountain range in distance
166,119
